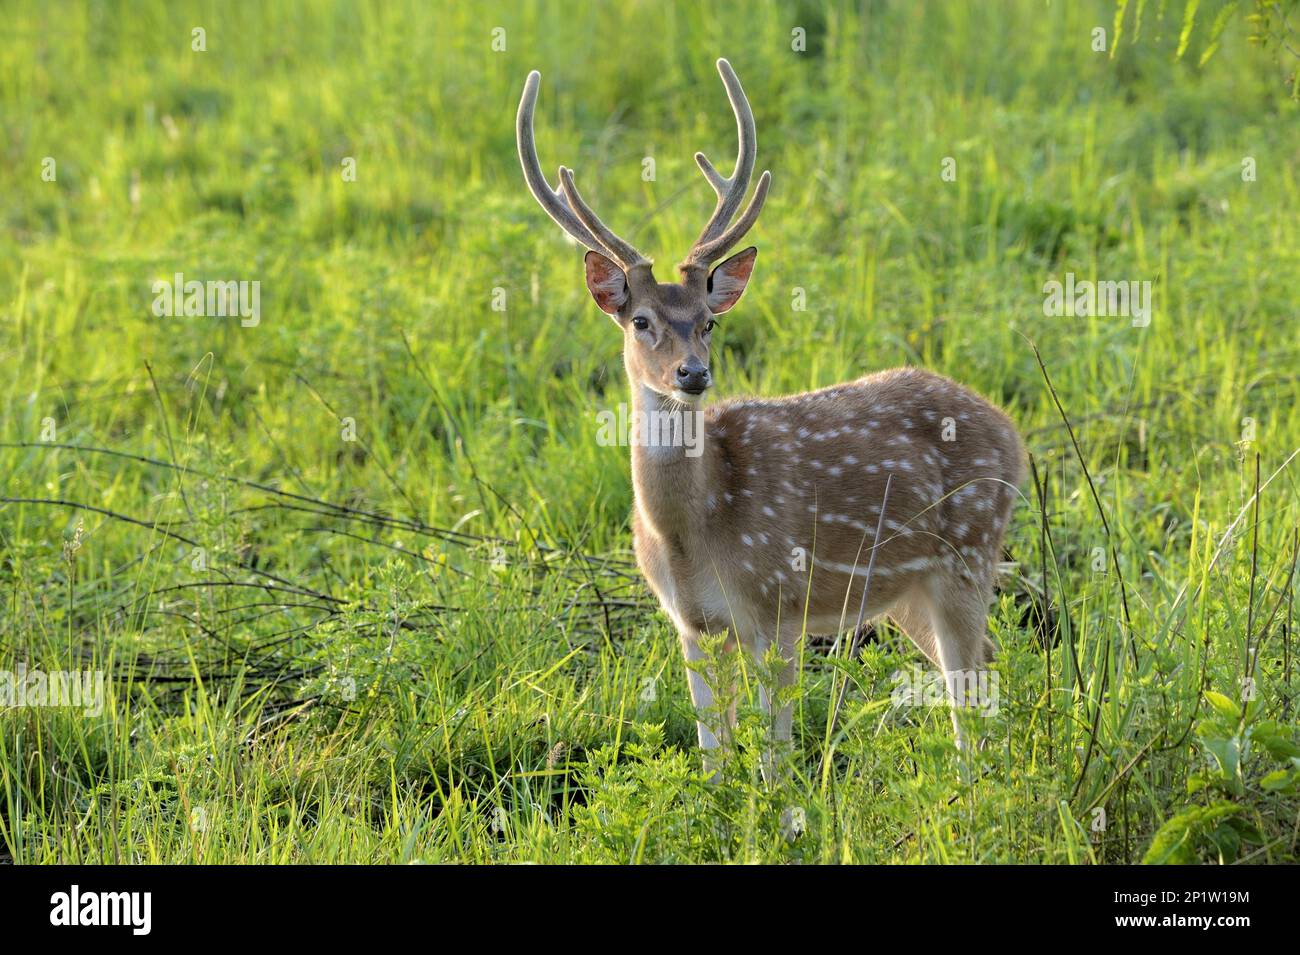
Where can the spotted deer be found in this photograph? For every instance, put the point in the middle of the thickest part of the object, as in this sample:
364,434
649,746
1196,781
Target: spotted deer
800,514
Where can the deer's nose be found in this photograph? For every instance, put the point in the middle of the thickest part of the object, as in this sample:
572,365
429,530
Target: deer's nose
692,377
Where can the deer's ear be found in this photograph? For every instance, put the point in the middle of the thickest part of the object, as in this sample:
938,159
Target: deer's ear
606,282
728,280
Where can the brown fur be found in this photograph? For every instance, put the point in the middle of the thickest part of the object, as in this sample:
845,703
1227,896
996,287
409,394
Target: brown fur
781,509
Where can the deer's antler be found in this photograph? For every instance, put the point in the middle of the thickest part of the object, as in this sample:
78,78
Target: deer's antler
564,205
717,238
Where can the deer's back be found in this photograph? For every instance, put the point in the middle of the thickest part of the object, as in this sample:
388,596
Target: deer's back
799,490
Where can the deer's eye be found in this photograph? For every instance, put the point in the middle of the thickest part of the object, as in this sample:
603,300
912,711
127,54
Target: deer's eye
709,326
640,323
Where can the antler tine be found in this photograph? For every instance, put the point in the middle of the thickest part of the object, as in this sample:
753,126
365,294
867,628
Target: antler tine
705,252
584,226
549,199
716,237
731,191
622,253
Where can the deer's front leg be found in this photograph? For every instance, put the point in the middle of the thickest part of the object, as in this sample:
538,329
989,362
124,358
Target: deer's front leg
780,718
704,698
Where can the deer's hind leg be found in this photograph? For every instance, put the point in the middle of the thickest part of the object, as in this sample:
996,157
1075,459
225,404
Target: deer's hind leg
911,613
959,607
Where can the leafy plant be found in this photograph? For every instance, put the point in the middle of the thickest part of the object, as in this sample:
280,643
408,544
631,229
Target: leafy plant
1253,764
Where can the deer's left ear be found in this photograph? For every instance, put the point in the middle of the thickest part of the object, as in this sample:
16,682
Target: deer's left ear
728,280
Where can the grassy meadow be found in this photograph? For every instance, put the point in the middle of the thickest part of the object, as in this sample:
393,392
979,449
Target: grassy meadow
357,575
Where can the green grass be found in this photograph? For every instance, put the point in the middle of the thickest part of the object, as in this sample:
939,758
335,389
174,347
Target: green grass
439,650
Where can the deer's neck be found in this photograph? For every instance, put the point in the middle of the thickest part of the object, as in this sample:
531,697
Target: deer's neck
673,465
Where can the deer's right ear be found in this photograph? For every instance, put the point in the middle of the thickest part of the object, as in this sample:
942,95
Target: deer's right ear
606,282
